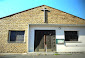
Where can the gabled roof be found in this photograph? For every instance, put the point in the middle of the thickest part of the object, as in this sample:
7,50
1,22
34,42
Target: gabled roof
37,7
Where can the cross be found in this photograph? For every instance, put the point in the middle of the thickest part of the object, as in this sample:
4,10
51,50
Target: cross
44,14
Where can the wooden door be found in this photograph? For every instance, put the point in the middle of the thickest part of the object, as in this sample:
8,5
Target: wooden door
39,45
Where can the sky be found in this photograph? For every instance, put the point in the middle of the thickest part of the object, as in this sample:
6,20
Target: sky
74,7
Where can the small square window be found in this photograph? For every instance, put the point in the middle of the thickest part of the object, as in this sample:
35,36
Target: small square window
71,36
17,36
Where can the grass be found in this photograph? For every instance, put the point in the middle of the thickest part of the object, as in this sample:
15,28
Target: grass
56,54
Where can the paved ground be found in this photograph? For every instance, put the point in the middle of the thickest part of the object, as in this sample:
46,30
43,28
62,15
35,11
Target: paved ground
80,55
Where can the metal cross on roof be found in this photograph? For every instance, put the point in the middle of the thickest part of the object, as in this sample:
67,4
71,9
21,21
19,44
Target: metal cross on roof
44,14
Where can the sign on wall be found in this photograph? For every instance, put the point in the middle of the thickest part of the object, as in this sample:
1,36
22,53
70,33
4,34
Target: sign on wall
59,41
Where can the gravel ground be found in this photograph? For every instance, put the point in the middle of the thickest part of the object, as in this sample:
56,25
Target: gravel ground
78,55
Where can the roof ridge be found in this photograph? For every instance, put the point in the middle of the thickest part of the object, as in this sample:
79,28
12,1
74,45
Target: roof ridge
37,7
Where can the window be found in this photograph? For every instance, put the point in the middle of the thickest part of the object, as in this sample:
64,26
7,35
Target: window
16,36
71,36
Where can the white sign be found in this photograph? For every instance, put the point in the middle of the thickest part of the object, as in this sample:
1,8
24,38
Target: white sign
60,41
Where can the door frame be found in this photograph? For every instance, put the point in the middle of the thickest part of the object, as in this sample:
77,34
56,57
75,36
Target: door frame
31,32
